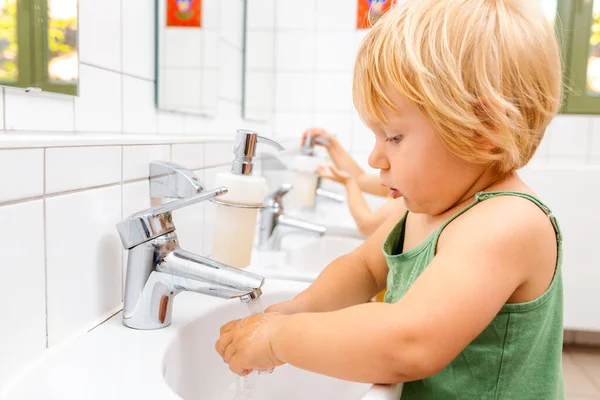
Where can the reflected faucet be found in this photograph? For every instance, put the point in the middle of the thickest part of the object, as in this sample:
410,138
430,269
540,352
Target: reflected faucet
274,224
158,269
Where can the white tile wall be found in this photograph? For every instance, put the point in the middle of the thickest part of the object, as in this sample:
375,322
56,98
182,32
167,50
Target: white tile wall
292,14
336,14
37,111
136,159
260,50
189,155
22,174
573,138
139,110
100,33
336,51
138,38
218,154
230,28
595,137
294,92
170,123
99,105
230,76
22,287
261,14
76,168
294,51
84,260
333,92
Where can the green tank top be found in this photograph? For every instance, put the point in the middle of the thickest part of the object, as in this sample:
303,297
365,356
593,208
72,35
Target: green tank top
517,357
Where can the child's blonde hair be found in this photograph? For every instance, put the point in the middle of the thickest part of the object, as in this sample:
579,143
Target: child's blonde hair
487,74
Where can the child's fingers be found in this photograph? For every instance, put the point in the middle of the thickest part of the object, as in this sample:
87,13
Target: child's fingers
230,352
229,326
236,367
224,341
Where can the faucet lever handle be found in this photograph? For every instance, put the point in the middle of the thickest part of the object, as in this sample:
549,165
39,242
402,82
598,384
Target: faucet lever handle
188,201
156,221
278,194
172,180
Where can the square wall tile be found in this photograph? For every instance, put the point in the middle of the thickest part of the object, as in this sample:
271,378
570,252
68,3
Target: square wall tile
22,287
100,33
136,159
193,124
293,14
182,48
38,111
333,92
210,11
291,125
22,174
139,38
210,52
210,92
231,28
570,136
218,154
139,110
180,90
170,123
259,50
189,155
230,73
84,260
294,51
72,168
259,90
260,14
336,51
294,92
339,125
98,107
336,14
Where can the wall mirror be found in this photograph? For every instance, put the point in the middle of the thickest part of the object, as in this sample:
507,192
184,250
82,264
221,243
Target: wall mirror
187,56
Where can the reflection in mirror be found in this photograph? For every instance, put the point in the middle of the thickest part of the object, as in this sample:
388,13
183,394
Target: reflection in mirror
38,45
186,72
259,61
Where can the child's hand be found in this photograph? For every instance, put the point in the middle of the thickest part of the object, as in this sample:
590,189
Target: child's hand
332,173
246,344
318,132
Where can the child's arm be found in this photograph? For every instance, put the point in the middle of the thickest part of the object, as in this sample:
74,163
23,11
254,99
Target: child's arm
485,256
367,221
371,184
351,279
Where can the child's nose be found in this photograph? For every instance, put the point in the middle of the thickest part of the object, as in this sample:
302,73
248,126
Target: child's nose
377,158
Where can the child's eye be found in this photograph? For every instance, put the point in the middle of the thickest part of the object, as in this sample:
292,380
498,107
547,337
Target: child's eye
396,139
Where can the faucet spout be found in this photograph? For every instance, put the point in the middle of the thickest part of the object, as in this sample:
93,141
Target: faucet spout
304,226
192,272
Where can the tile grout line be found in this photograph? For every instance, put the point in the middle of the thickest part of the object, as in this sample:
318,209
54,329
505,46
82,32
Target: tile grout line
45,252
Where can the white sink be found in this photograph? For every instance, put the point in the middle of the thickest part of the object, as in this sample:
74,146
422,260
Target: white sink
194,371
302,258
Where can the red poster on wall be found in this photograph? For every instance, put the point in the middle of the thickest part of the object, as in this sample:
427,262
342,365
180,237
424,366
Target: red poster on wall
369,11
184,13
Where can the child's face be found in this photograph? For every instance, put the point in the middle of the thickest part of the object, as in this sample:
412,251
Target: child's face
415,162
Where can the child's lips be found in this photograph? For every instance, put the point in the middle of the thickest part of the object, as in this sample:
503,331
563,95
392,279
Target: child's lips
394,193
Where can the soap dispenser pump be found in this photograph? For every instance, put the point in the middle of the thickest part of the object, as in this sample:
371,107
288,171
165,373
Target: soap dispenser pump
305,165
237,210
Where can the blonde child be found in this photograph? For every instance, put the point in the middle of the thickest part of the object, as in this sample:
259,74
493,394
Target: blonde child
459,94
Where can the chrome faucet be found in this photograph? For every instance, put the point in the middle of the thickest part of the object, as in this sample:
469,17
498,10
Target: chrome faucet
158,269
274,224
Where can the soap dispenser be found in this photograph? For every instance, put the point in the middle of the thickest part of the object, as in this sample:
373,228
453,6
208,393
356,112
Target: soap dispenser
305,166
237,210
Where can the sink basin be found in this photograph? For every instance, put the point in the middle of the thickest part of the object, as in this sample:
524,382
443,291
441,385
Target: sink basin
302,257
314,254
194,371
